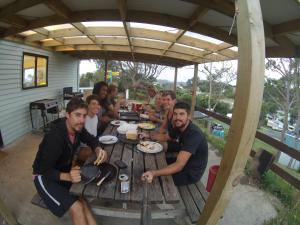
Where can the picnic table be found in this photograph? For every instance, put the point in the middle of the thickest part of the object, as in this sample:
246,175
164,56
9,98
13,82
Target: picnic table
107,199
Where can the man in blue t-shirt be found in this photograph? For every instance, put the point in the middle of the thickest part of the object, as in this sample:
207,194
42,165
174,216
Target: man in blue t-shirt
190,145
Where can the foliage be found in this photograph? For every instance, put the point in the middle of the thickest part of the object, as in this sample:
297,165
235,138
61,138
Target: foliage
288,195
219,78
282,91
268,107
223,108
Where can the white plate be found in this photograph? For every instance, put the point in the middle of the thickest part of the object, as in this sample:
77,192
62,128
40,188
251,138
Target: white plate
117,122
108,139
149,147
125,127
122,110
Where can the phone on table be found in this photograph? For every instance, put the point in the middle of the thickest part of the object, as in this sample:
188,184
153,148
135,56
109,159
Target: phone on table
120,164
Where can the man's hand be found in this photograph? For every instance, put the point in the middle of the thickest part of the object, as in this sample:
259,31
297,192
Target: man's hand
101,156
148,176
75,174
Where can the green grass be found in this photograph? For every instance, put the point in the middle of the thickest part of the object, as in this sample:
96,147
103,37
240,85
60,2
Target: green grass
260,144
289,214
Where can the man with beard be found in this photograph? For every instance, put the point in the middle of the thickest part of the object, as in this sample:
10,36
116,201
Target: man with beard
52,168
190,143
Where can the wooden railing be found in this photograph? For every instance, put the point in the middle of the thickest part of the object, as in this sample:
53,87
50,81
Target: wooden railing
272,142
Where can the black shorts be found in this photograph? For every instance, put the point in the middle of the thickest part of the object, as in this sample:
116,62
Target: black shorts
55,195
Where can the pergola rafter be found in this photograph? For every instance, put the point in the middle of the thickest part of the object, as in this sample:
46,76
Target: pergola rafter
200,11
123,13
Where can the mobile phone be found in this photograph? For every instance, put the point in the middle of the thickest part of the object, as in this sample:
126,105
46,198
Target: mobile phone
120,164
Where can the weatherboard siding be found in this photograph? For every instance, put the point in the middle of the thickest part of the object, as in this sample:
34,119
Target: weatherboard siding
14,102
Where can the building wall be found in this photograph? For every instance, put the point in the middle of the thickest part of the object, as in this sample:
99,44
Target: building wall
14,102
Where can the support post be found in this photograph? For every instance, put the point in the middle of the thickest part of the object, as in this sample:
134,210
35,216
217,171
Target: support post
105,70
194,90
248,99
175,79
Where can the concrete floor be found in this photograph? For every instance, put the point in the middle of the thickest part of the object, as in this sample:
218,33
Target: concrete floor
248,205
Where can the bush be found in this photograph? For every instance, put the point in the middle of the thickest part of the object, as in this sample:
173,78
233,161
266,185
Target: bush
223,108
278,187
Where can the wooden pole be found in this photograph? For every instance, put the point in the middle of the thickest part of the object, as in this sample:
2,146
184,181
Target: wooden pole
175,79
248,99
194,90
105,70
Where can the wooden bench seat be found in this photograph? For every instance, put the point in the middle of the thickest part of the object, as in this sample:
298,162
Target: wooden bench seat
194,197
38,201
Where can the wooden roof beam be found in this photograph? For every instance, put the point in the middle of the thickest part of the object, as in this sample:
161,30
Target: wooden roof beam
44,32
17,6
80,27
198,13
15,21
228,8
287,27
122,5
132,16
59,8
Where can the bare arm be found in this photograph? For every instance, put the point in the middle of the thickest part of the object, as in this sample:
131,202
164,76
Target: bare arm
175,167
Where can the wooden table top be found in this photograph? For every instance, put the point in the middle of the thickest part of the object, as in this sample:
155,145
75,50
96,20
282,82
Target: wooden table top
162,189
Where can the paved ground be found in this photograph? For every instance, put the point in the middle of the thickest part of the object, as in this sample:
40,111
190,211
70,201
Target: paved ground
248,206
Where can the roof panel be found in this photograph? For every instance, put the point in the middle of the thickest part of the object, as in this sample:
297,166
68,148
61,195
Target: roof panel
295,37
279,11
36,11
170,7
2,24
217,19
103,24
90,4
5,2
203,37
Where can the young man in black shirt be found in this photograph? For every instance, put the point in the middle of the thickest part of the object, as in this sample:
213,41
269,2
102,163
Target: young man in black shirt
52,168
189,142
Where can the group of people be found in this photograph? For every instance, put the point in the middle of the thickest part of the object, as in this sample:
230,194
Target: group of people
75,137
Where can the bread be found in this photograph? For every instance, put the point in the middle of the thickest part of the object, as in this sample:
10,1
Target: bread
131,134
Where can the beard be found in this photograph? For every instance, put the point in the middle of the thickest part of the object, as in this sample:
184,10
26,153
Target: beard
178,124
78,127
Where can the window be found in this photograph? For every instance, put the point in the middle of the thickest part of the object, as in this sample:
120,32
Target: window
35,71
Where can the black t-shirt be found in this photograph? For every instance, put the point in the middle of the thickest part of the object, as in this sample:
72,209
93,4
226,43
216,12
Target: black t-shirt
194,141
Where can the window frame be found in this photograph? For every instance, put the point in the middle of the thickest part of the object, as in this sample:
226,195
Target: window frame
36,56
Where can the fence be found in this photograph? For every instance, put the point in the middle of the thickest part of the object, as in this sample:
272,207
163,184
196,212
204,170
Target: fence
271,141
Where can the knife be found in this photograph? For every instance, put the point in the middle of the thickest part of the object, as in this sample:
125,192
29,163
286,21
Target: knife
103,178
90,181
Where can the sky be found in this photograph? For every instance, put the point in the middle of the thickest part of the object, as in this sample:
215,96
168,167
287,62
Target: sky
184,73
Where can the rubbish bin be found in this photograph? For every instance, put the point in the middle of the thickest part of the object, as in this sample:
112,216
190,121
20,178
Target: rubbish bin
213,170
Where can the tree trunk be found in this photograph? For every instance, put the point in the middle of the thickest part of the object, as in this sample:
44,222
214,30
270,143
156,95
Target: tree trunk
210,93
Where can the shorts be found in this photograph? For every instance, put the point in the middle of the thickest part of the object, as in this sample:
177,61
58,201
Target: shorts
55,194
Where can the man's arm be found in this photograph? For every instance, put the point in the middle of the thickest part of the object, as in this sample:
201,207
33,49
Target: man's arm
175,167
74,175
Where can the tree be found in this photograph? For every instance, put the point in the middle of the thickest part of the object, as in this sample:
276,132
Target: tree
219,79
136,75
282,91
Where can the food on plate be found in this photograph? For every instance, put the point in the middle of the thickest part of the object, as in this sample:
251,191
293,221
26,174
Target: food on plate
144,116
131,134
146,126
